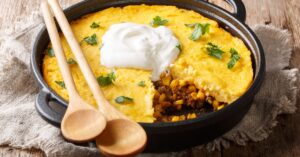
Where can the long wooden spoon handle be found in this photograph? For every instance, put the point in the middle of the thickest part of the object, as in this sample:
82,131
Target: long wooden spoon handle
109,111
58,50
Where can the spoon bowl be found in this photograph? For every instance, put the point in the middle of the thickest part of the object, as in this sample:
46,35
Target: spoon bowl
122,137
83,125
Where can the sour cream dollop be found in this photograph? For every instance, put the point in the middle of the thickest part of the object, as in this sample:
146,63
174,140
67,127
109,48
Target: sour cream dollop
130,45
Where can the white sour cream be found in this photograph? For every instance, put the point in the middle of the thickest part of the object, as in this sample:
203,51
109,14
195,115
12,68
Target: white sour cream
130,45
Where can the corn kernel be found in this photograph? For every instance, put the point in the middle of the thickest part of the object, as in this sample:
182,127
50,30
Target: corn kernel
166,80
191,116
194,95
162,97
201,96
220,107
179,102
209,100
174,96
182,83
174,84
182,117
156,95
215,104
191,89
175,118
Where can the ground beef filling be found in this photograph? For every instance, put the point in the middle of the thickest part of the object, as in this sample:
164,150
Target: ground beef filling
177,100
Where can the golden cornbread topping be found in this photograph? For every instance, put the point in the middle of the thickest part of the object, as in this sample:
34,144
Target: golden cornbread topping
214,67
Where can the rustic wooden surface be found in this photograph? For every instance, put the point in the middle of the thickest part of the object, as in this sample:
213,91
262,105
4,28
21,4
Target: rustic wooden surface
285,139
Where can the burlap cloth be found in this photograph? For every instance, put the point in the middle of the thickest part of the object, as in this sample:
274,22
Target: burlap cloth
22,127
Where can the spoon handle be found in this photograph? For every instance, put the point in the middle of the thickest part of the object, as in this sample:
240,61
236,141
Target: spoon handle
58,50
103,105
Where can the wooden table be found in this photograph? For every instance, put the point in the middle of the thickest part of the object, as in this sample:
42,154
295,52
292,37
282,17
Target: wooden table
285,139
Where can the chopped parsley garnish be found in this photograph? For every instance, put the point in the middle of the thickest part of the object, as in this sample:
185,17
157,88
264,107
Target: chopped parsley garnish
214,51
71,61
199,30
50,52
95,25
106,80
158,21
92,40
123,99
142,84
190,25
61,84
179,47
235,57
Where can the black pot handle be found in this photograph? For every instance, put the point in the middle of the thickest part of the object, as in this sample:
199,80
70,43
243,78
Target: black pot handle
45,110
239,9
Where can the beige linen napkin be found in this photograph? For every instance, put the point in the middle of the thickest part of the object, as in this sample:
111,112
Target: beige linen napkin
22,127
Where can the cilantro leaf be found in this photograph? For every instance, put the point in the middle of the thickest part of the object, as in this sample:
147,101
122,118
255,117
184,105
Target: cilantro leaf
197,33
142,84
190,25
95,25
205,28
92,40
235,57
50,52
123,99
179,47
112,76
71,61
199,30
214,51
61,84
158,21
106,80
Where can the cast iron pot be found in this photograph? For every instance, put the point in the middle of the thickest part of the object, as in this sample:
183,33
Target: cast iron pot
165,136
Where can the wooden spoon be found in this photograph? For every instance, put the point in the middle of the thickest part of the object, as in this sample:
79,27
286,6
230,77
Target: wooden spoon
122,136
81,122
